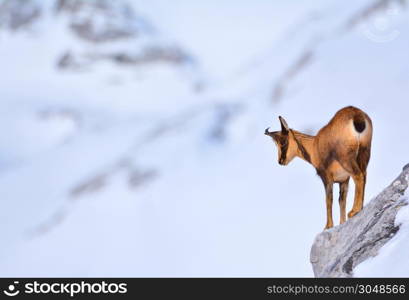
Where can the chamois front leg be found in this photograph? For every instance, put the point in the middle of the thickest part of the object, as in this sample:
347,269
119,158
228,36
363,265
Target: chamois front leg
328,202
360,181
343,192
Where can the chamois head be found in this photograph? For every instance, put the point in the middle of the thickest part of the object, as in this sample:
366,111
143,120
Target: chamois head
285,141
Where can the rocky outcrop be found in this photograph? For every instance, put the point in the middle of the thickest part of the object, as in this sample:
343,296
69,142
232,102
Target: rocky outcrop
336,252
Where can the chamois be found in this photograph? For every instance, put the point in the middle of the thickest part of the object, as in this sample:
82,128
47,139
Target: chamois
339,151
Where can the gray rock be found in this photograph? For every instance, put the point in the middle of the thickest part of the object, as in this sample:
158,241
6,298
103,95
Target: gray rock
104,22
18,14
100,21
337,251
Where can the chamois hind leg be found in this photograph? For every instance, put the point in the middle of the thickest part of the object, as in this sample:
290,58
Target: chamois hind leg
328,201
362,161
343,192
360,181
359,177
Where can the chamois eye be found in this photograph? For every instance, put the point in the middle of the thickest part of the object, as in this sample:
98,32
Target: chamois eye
283,142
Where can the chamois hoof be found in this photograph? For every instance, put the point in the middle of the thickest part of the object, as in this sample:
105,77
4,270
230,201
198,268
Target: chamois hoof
328,226
352,213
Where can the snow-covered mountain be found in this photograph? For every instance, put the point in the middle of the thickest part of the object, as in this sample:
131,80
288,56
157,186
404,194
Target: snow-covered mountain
131,137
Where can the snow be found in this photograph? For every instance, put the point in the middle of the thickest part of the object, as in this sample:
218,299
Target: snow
217,204
226,33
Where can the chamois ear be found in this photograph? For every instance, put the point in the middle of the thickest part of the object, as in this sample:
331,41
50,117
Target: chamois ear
284,126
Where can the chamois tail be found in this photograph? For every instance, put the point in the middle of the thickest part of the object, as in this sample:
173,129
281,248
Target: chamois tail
359,122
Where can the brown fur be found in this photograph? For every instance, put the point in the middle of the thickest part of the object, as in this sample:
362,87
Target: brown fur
339,151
